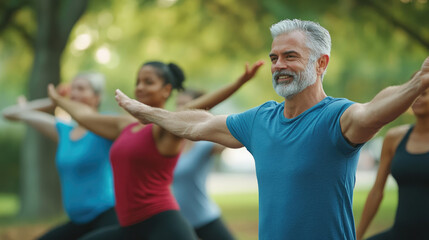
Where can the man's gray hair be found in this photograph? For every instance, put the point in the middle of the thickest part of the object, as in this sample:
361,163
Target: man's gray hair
318,38
95,80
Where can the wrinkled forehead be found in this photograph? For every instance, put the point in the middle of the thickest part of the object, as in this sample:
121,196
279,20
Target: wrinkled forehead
291,41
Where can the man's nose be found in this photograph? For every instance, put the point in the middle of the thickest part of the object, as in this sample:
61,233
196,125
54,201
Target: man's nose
279,65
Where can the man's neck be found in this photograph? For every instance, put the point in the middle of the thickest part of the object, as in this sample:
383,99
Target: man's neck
304,100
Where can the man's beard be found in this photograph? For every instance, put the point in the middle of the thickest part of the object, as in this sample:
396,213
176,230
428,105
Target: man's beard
299,82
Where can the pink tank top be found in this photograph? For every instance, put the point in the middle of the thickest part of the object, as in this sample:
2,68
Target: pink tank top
142,176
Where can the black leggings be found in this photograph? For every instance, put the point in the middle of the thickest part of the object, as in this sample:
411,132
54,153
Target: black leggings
163,226
408,234
214,230
72,231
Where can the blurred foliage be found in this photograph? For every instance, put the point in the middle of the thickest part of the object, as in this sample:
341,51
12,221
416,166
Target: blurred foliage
374,44
10,141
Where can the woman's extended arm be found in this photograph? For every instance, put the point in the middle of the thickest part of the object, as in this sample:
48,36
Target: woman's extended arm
209,100
168,143
43,104
104,125
30,114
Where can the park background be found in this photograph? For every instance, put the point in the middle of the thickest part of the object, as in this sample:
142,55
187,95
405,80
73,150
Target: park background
374,44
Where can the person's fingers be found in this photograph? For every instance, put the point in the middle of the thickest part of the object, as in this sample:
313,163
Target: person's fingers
120,97
22,101
258,64
51,88
120,94
117,94
51,91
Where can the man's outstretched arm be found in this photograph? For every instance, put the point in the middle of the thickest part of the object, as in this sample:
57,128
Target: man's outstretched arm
360,122
194,125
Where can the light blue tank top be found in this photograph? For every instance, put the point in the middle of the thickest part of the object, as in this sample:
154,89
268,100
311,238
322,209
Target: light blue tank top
85,174
189,186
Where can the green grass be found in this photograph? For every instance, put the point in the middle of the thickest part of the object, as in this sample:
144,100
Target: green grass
386,212
240,212
8,205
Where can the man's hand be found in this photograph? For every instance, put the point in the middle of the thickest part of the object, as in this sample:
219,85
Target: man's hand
423,75
134,107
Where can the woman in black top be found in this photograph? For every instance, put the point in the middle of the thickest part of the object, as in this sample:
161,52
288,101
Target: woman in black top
405,154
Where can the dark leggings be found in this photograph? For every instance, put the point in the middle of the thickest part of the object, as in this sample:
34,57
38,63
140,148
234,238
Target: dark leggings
214,230
72,231
408,234
163,226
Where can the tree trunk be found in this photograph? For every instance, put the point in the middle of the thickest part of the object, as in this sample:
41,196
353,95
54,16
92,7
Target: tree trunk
40,192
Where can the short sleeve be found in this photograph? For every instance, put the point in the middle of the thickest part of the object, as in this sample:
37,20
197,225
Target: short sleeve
334,112
240,125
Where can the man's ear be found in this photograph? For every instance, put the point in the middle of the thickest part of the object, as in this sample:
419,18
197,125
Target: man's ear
322,64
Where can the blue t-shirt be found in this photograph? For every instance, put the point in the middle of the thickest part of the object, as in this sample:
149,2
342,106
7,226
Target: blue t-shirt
85,174
189,186
305,170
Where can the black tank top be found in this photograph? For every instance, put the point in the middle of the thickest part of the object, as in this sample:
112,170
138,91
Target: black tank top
411,172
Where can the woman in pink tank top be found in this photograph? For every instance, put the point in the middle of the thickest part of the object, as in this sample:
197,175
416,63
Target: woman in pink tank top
143,157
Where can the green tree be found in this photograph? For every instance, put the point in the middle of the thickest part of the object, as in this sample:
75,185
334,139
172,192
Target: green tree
54,21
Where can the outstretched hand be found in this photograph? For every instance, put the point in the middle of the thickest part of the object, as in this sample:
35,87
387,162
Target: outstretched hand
52,93
22,101
423,74
133,107
11,113
249,73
